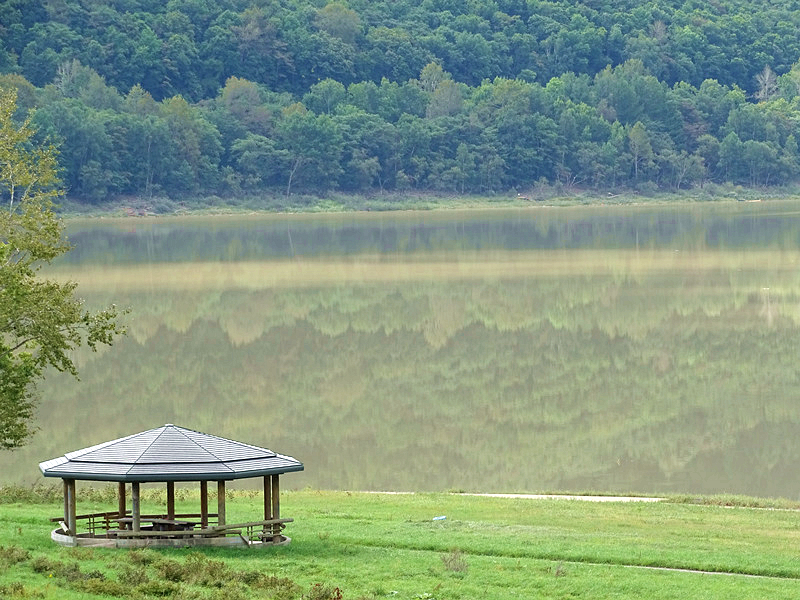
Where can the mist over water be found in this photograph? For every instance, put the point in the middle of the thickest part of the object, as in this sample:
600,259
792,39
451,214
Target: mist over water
642,349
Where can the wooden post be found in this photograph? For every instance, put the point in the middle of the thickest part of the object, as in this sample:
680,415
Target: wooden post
203,504
73,503
136,507
267,498
276,508
221,502
122,508
267,530
70,509
171,500
66,504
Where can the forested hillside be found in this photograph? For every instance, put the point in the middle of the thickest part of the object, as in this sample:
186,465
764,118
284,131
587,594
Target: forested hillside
192,98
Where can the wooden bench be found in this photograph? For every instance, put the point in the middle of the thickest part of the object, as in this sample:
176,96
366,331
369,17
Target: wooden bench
254,524
215,531
149,533
157,526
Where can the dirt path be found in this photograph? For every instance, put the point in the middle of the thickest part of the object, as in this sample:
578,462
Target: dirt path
542,496
571,497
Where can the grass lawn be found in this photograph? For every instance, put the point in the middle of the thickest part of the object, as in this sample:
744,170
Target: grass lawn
358,545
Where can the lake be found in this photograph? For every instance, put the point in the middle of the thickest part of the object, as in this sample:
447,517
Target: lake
647,349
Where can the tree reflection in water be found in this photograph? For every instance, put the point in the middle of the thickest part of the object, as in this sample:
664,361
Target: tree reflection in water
647,358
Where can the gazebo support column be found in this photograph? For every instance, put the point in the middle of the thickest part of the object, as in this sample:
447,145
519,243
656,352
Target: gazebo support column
122,508
267,497
267,531
171,500
276,508
70,510
221,502
136,507
203,504
66,503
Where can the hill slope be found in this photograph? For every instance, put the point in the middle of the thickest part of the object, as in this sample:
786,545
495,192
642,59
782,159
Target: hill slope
191,98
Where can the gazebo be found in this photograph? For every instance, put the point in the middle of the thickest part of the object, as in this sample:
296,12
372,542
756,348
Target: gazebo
169,454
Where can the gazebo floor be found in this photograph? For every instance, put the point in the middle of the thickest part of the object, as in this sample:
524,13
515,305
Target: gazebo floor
111,541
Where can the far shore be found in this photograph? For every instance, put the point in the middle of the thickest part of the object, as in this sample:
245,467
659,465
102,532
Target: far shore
342,203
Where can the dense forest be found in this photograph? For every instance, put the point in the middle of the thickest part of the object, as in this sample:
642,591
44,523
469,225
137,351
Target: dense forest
189,99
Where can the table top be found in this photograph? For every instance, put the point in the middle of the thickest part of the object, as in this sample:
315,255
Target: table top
157,521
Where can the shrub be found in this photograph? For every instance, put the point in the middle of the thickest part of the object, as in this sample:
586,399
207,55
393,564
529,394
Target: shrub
12,555
80,554
55,568
647,188
455,561
159,588
209,573
172,570
103,586
105,494
131,576
142,557
35,494
198,570
320,591
71,571
279,588
93,575
17,590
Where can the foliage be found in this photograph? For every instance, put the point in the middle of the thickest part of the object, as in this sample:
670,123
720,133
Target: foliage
34,494
320,591
455,561
41,321
71,571
184,99
11,555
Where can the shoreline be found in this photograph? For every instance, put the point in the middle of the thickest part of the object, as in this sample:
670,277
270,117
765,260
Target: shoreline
139,208
565,496
42,493
587,498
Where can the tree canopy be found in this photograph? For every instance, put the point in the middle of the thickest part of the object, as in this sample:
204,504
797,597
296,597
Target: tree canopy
41,321
193,98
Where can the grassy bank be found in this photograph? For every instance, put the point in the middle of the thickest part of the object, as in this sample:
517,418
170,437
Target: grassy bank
377,545
340,202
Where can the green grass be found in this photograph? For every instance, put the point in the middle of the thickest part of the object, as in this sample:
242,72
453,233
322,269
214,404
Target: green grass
389,546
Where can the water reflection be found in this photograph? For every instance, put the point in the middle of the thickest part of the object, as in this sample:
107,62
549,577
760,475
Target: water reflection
623,350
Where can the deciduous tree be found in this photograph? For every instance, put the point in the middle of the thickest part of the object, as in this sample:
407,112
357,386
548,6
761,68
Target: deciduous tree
41,320
641,150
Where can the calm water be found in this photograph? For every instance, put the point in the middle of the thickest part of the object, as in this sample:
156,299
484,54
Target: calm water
612,349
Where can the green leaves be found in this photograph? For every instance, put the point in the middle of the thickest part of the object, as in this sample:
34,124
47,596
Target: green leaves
161,100
16,401
41,321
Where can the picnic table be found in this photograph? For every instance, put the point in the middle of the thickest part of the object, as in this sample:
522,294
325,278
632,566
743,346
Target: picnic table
158,524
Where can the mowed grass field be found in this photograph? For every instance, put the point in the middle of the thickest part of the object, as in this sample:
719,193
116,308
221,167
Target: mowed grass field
362,545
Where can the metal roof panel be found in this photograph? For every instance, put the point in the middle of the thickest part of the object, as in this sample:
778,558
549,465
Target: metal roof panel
169,453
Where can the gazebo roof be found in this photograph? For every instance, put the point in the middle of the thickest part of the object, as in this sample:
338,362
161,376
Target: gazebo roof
169,453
